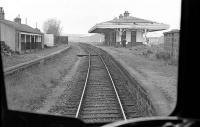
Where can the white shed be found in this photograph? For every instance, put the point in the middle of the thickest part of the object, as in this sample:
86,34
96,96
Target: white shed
49,40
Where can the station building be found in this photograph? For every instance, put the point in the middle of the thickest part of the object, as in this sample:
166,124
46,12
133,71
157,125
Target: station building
131,29
19,37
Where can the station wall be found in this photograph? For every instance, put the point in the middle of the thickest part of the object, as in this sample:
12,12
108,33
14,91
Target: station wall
7,35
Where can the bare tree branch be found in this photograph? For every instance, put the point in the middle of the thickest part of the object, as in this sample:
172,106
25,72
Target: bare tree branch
52,26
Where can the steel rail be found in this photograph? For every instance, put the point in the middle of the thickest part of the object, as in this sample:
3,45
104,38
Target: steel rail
79,106
124,116
119,101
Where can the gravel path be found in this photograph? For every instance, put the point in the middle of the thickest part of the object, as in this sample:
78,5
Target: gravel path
66,104
51,99
65,83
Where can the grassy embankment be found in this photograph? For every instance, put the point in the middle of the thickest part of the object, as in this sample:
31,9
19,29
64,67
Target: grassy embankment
158,75
27,90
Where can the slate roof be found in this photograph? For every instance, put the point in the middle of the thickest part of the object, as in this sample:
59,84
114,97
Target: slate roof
130,23
130,19
21,27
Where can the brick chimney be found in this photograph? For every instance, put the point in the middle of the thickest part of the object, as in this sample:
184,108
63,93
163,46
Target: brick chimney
17,19
2,14
126,14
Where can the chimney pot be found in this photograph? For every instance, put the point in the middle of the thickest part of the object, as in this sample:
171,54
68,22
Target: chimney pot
17,19
2,14
126,14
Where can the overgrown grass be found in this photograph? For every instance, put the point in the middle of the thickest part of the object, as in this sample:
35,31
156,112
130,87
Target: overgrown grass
157,52
160,80
27,90
15,59
163,55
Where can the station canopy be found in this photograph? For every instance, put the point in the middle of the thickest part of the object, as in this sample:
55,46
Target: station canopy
128,22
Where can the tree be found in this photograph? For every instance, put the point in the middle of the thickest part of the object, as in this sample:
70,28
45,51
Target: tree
52,26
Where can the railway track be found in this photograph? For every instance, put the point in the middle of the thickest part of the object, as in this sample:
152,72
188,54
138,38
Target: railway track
102,92
100,100
104,97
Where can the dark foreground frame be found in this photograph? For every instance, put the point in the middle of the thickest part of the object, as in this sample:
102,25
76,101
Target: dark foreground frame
188,92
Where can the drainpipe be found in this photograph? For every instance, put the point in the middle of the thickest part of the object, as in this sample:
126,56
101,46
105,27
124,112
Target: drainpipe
145,36
30,42
25,43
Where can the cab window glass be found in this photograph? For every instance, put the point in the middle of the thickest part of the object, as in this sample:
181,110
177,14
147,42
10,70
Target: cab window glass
99,61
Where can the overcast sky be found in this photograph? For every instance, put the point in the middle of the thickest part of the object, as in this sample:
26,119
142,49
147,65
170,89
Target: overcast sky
78,16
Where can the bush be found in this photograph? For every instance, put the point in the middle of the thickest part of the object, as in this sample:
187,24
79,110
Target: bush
149,52
163,55
5,49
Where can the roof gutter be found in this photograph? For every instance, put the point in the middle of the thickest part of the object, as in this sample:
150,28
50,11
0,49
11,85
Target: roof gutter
150,27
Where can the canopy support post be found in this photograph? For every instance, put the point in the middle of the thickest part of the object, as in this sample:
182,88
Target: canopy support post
145,36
